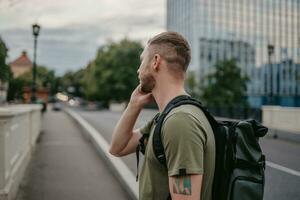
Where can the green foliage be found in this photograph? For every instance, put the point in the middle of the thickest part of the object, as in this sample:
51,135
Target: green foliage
192,84
71,82
4,69
5,72
15,90
45,78
113,73
226,86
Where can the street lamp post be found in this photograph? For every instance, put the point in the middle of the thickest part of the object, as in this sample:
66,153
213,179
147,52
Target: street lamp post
297,77
270,53
35,31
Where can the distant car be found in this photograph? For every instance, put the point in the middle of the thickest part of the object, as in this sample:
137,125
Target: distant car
56,106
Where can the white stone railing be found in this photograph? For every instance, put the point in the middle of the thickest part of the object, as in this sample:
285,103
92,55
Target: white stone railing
3,92
20,126
282,118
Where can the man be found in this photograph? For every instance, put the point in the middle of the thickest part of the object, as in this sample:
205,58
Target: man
186,133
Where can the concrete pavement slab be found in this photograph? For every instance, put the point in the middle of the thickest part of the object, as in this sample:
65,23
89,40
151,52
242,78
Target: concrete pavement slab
65,166
120,169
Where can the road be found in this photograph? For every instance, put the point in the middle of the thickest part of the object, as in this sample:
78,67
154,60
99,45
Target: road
283,167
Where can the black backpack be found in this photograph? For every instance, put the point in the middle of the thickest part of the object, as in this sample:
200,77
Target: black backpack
239,164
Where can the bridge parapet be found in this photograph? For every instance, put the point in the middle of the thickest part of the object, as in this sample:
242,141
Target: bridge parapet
282,118
20,127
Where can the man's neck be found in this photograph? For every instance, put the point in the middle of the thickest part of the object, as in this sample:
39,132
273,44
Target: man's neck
163,94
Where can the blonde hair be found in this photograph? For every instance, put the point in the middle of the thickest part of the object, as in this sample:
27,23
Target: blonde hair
173,47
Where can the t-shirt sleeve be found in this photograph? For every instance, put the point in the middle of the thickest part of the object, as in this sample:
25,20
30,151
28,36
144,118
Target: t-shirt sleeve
147,127
184,141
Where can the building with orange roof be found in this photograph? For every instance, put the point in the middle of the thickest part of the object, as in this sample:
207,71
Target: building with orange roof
21,65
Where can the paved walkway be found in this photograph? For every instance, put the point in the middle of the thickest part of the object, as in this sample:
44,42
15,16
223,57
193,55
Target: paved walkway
65,166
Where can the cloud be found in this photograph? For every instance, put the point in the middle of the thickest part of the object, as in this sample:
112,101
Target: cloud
72,30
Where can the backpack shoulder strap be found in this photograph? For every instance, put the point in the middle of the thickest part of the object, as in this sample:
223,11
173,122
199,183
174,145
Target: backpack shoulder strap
141,147
158,147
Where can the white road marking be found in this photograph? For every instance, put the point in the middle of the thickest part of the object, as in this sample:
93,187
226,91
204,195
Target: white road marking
282,168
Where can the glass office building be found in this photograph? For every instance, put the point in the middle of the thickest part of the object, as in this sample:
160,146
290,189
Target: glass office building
262,35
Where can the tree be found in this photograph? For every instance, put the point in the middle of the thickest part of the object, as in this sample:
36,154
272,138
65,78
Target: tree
89,82
71,82
45,78
15,90
226,86
4,68
192,85
112,76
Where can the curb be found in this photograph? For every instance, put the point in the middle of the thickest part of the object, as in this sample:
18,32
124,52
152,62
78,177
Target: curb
122,172
284,135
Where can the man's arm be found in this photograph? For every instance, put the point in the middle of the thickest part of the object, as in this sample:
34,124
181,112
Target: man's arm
187,187
184,141
124,138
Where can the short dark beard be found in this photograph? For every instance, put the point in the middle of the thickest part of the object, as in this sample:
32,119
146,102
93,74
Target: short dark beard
147,83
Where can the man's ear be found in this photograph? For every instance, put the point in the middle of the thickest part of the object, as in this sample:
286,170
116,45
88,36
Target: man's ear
156,62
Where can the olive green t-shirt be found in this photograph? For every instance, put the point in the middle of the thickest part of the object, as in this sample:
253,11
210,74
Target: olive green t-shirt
189,144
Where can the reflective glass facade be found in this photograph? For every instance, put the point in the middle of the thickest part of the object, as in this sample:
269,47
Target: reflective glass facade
262,35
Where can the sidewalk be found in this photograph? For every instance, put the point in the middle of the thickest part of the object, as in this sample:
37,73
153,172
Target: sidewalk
65,166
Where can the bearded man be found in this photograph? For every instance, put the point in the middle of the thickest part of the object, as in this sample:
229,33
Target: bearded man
186,134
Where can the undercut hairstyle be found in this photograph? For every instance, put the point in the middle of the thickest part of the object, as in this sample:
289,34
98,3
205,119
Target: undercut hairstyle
173,47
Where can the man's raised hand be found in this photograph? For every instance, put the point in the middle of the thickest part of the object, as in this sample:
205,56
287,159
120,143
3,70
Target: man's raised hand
139,98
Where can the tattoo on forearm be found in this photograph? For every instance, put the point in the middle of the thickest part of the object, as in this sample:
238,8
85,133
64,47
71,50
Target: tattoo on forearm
182,185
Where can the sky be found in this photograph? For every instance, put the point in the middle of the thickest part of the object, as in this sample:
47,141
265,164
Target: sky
73,30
